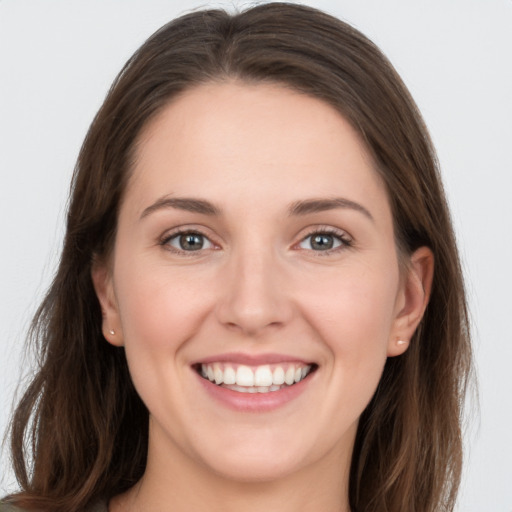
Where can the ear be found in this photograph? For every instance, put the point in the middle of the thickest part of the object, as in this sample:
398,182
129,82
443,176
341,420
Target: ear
412,300
111,325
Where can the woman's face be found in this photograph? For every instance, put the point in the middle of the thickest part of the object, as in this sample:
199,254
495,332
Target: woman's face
254,247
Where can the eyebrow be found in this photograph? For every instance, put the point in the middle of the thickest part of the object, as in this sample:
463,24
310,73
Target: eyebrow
188,204
321,205
298,208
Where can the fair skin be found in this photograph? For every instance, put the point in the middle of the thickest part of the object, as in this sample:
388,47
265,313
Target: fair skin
222,259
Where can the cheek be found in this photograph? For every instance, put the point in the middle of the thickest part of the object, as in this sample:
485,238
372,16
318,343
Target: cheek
159,309
349,313
353,316
354,309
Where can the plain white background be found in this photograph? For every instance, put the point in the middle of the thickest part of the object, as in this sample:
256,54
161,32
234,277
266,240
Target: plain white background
58,58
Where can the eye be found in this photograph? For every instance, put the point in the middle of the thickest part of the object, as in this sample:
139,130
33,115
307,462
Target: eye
324,241
188,241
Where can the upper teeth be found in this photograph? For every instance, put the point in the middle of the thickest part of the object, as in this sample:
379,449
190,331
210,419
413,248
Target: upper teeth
260,376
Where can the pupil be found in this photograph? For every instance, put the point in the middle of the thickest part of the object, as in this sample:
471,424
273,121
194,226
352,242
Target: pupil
322,242
191,242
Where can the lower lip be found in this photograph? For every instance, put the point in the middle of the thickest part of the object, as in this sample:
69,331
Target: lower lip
255,402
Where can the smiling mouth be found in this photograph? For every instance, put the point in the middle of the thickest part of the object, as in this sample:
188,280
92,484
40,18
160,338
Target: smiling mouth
255,379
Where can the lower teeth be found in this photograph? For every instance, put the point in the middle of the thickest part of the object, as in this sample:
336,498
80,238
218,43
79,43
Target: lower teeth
253,389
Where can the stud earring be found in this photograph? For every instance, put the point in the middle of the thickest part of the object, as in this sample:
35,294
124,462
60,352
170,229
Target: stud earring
112,332
401,342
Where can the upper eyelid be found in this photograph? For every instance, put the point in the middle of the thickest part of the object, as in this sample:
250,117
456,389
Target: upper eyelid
179,230
170,234
347,241
331,230
165,243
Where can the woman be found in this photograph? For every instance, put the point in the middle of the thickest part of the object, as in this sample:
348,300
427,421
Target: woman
246,313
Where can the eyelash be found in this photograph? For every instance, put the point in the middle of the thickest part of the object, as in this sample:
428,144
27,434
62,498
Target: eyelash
166,239
345,241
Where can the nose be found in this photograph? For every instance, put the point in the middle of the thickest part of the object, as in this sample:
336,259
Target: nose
255,293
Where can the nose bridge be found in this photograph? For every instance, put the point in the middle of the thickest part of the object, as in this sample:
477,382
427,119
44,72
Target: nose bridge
254,297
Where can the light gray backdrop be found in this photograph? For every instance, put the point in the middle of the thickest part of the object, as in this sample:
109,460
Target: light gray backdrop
57,59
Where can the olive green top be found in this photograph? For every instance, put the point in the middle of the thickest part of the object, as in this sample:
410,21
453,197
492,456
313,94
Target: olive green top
5,507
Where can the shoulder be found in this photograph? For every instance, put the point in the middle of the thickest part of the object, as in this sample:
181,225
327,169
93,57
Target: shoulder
101,506
6,507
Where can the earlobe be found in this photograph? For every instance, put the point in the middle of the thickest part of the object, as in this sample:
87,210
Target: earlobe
397,347
415,294
111,325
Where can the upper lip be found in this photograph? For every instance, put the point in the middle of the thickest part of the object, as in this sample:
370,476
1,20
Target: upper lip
251,359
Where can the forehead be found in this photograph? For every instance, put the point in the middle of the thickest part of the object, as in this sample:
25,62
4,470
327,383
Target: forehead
280,143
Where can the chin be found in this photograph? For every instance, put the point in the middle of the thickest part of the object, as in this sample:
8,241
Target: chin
257,469
260,456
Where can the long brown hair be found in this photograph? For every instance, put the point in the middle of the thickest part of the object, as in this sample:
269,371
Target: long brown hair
80,432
